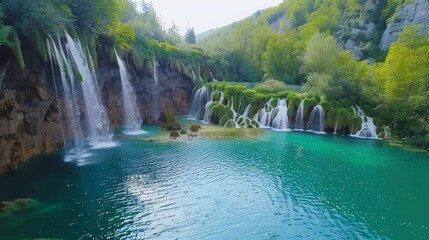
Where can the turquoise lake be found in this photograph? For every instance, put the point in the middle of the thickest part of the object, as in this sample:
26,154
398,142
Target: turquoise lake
292,185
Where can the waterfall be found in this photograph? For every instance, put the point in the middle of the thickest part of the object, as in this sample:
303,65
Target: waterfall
132,117
317,118
222,97
387,133
69,92
199,101
207,113
336,126
246,112
281,121
264,115
368,128
299,120
97,118
240,121
155,73
199,72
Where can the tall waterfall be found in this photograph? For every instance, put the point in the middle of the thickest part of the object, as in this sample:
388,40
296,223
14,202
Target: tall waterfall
299,120
155,73
207,113
199,101
132,117
317,120
97,118
368,128
281,121
69,91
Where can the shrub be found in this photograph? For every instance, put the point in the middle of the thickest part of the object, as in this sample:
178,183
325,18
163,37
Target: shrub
271,86
174,135
183,132
169,122
195,127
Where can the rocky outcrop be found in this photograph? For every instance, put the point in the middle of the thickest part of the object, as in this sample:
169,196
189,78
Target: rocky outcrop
412,14
31,120
173,93
32,111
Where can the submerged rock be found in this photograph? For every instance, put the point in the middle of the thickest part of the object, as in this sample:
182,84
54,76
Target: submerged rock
8,208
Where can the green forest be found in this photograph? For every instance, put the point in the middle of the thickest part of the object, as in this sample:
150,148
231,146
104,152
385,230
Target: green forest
302,42
298,43
132,28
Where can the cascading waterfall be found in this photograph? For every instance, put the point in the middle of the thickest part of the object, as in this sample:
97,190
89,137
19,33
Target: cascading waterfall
263,117
132,117
97,118
199,101
207,113
281,121
368,128
317,120
299,119
241,121
246,112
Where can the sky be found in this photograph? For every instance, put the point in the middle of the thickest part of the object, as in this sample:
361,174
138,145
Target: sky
204,15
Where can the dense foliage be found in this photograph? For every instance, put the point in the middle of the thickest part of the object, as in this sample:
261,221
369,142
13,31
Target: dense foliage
102,25
302,42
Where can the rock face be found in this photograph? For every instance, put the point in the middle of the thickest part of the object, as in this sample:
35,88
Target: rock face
173,93
32,112
412,14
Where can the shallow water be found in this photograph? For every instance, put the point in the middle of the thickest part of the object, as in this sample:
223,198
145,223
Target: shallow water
292,185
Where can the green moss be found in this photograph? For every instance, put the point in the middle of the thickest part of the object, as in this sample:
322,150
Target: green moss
217,95
174,135
218,110
294,101
169,122
195,127
223,120
309,104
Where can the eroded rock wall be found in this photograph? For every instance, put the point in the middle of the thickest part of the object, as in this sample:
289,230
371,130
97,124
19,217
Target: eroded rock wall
33,115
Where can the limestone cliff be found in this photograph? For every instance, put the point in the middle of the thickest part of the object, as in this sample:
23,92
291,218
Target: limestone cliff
32,112
413,14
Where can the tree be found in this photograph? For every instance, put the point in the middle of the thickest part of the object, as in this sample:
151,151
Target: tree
321,54
190,36
4,30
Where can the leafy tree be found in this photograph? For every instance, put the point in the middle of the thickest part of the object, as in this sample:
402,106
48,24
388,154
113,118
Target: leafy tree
27,16
404,78
321,54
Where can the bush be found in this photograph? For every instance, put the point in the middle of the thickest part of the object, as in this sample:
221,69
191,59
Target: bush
183,132
174,135
195,127
169,122
271,86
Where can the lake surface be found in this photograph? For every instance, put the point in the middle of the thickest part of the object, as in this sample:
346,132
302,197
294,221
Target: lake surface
282,185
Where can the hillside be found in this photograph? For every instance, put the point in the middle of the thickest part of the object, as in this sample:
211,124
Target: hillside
371,53
366,28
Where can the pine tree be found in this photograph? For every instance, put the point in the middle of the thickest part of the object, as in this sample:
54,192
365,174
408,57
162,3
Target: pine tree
190,36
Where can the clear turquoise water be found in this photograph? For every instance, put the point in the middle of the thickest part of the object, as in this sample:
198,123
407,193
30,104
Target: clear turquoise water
283,185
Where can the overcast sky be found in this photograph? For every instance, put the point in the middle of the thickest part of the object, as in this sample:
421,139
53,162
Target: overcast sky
204,15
